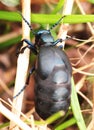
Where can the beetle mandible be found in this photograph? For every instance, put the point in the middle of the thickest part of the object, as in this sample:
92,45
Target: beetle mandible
52,73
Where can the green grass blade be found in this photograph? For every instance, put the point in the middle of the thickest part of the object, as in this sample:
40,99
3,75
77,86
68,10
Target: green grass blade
74,19
58,7
47,18
10,42
71,19
54,117
76,109
10,16
4,125
66,124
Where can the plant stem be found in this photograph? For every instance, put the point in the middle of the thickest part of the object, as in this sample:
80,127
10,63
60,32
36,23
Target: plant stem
22,65
64,27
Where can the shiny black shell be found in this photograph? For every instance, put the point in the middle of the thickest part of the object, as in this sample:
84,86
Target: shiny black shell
53,81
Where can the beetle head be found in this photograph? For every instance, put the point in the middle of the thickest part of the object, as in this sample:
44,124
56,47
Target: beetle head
43,38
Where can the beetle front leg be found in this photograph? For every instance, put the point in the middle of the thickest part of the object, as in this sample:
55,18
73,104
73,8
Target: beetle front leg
29,45
27,82
60,40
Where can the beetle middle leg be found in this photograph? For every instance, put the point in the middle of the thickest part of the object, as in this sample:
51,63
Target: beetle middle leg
27,82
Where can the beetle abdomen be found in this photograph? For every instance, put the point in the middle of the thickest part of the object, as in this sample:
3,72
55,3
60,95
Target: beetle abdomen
53,85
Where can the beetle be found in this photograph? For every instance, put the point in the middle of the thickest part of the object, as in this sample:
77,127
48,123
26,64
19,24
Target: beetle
52,73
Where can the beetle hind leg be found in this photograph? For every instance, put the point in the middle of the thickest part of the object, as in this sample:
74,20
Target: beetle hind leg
27,82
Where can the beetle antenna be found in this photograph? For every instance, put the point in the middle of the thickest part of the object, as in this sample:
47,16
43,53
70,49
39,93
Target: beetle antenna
57,23
27,23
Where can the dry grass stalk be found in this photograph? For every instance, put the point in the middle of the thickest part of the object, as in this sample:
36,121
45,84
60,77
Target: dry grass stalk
22,65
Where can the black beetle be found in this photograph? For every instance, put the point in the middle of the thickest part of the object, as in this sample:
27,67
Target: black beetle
52,74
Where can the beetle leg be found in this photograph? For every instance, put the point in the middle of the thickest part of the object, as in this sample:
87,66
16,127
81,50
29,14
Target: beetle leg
60,40
27,82
56,42
22,50
29,45
30,72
